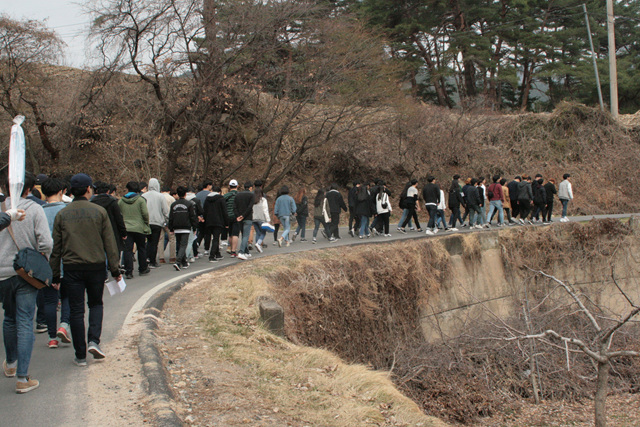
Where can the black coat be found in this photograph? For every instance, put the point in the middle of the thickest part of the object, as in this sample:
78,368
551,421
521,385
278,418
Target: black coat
215,211
551,191
182,215
110,204
302,208
513,187
455,198
431,193
336,202
363,202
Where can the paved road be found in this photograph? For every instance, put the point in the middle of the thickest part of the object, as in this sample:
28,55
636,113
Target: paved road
60,399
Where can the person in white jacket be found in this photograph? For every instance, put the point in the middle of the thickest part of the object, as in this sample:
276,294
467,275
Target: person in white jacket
383,208
158,218
440,216
565,194
260,215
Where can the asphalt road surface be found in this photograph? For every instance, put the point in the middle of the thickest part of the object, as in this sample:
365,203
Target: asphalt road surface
61,398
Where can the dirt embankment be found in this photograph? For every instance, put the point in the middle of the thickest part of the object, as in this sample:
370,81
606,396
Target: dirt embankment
426,318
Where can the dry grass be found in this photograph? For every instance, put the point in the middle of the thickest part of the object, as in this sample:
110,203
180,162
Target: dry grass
310,386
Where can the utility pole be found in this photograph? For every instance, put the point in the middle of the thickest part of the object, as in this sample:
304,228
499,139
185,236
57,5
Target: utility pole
613,70
593,56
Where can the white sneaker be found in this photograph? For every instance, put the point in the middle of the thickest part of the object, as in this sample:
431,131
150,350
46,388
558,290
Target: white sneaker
453,229
241,256
192,260
435,230
259,248
429,232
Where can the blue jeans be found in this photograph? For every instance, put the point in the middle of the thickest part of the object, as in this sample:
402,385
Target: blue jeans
565,204
318,223
260,233
441,218
17,328
74,285
286,227
403,217
496,205
246,230
483,218
302,226
364,225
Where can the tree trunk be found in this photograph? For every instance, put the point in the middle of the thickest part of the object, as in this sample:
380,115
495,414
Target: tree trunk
602,388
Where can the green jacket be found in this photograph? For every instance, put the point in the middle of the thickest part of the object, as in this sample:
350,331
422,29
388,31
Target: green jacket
135,213
82,235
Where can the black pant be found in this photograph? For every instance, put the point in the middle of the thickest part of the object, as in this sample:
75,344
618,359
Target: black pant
383,221
152,243
455,216
335,225
74,285
525,208
215,232
182,240
412,214
432,209
515,208
549,210
539,208
203,234
140,241
354,220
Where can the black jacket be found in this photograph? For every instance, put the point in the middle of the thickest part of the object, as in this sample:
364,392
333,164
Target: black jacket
539,193
480,195
513,190
352,197
551,191
302,208
363,202
215,211
472,196
110,204
431,193
243,205
336,202
455,198
182,215
525,194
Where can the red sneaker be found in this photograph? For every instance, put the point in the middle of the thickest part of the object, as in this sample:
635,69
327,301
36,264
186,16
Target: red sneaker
63,335
53,344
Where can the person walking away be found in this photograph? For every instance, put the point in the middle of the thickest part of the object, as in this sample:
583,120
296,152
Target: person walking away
506,205
539,199
19,297
233,228
525,196
110,204
169,239
550,191
336,205
320,215
243,213
53,189
260,216
352,199
363,210
202,234
136,220
85,244
513,196
431,197
302,213
482,193
158,217
182,220
565,194
473,204
284,209
465,191
455,201
215,219
409,201
440,216
496,198
383,208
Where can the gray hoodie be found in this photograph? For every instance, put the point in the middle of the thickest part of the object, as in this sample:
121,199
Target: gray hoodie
156,204
32,232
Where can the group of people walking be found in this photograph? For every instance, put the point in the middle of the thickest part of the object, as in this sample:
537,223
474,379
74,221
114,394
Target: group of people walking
87,233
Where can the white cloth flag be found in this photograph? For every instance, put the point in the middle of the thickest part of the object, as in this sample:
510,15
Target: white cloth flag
17,158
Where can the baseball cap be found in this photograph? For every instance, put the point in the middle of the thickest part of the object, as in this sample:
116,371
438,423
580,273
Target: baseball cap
233,183
81,180
41,178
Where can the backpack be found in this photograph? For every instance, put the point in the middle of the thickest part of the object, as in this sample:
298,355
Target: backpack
403,203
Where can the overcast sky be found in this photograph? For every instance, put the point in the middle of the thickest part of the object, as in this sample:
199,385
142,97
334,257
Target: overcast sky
63,16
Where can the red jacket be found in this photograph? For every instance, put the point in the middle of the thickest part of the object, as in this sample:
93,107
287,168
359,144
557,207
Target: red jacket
496,189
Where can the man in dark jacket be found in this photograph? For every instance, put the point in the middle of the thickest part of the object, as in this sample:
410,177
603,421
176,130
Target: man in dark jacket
431,197
473,204
110,204
336,204
354,220
82,235
233,227
539,199
525,196
513,195
182,219
243,213
215,219
363,210
551,191
455,201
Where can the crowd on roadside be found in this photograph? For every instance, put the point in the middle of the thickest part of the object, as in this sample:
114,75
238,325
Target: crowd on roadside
87,231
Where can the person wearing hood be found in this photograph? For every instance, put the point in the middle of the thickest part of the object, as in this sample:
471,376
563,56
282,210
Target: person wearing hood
158,217
136,220
215,220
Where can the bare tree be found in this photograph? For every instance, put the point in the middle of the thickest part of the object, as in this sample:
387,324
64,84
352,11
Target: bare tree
25,47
